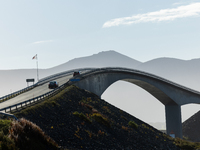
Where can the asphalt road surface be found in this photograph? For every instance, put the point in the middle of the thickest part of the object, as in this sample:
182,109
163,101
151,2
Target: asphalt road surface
37,91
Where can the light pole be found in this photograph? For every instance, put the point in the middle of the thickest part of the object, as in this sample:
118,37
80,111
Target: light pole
35,57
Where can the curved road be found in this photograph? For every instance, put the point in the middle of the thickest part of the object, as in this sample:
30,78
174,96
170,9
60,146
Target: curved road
37,91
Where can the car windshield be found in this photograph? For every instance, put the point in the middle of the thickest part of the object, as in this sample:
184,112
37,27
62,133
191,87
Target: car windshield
53,82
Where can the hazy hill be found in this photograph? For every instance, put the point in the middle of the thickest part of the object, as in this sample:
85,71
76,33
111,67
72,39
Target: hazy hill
184,72
103,59
13,80
131,98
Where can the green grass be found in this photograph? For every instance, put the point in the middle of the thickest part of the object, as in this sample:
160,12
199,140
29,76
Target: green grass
5,125
99,118
47,102
5,142
186,145
27,135
23,134
82,116
5,99
8,143
133,124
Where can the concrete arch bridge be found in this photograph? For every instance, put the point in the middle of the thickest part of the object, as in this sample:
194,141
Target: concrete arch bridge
170,94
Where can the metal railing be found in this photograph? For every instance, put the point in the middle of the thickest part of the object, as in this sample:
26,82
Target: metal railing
40,82
35,99
9,115
6,97
62,74
38,98
91,72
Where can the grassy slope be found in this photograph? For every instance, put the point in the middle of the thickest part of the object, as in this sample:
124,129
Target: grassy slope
23,135
78,119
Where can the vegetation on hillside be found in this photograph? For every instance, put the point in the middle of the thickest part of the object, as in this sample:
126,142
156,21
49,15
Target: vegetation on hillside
77,119
6,143
24,135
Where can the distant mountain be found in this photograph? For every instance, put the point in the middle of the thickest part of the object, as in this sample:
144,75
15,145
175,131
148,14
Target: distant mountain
184,72
131,98
13,80
103,59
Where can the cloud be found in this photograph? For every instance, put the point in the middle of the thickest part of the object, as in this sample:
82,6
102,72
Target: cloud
39,42
157,16
179,3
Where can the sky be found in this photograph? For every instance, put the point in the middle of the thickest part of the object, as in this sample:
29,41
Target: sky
58,31
61,30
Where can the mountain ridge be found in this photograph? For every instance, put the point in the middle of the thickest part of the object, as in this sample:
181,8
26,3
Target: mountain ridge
102,59
184,72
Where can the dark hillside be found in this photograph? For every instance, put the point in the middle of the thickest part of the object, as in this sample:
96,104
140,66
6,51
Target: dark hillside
77,119
191,128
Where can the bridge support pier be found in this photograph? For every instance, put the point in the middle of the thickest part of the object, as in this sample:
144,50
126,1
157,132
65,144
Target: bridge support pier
173,120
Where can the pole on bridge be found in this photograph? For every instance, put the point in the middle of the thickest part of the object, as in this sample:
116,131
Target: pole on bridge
173,119
35,57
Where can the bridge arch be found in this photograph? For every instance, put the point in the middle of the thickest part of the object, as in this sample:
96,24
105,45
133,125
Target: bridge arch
168,93
138,102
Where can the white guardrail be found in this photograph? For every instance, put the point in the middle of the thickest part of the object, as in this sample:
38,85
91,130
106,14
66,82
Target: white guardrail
40,82
43,96
2,99
35,99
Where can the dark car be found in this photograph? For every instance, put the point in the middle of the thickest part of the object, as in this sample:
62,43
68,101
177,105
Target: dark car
53,84
76,73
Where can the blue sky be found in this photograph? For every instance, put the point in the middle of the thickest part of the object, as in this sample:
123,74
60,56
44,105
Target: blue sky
59,31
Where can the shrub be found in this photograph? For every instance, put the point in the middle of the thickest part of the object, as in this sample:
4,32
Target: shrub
123,117
89,99
89,106
94,111
124,128
5,125
101,132
54,103
133,124
99,118
27,135
183,144
89,133
6,143
82,116
106,108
